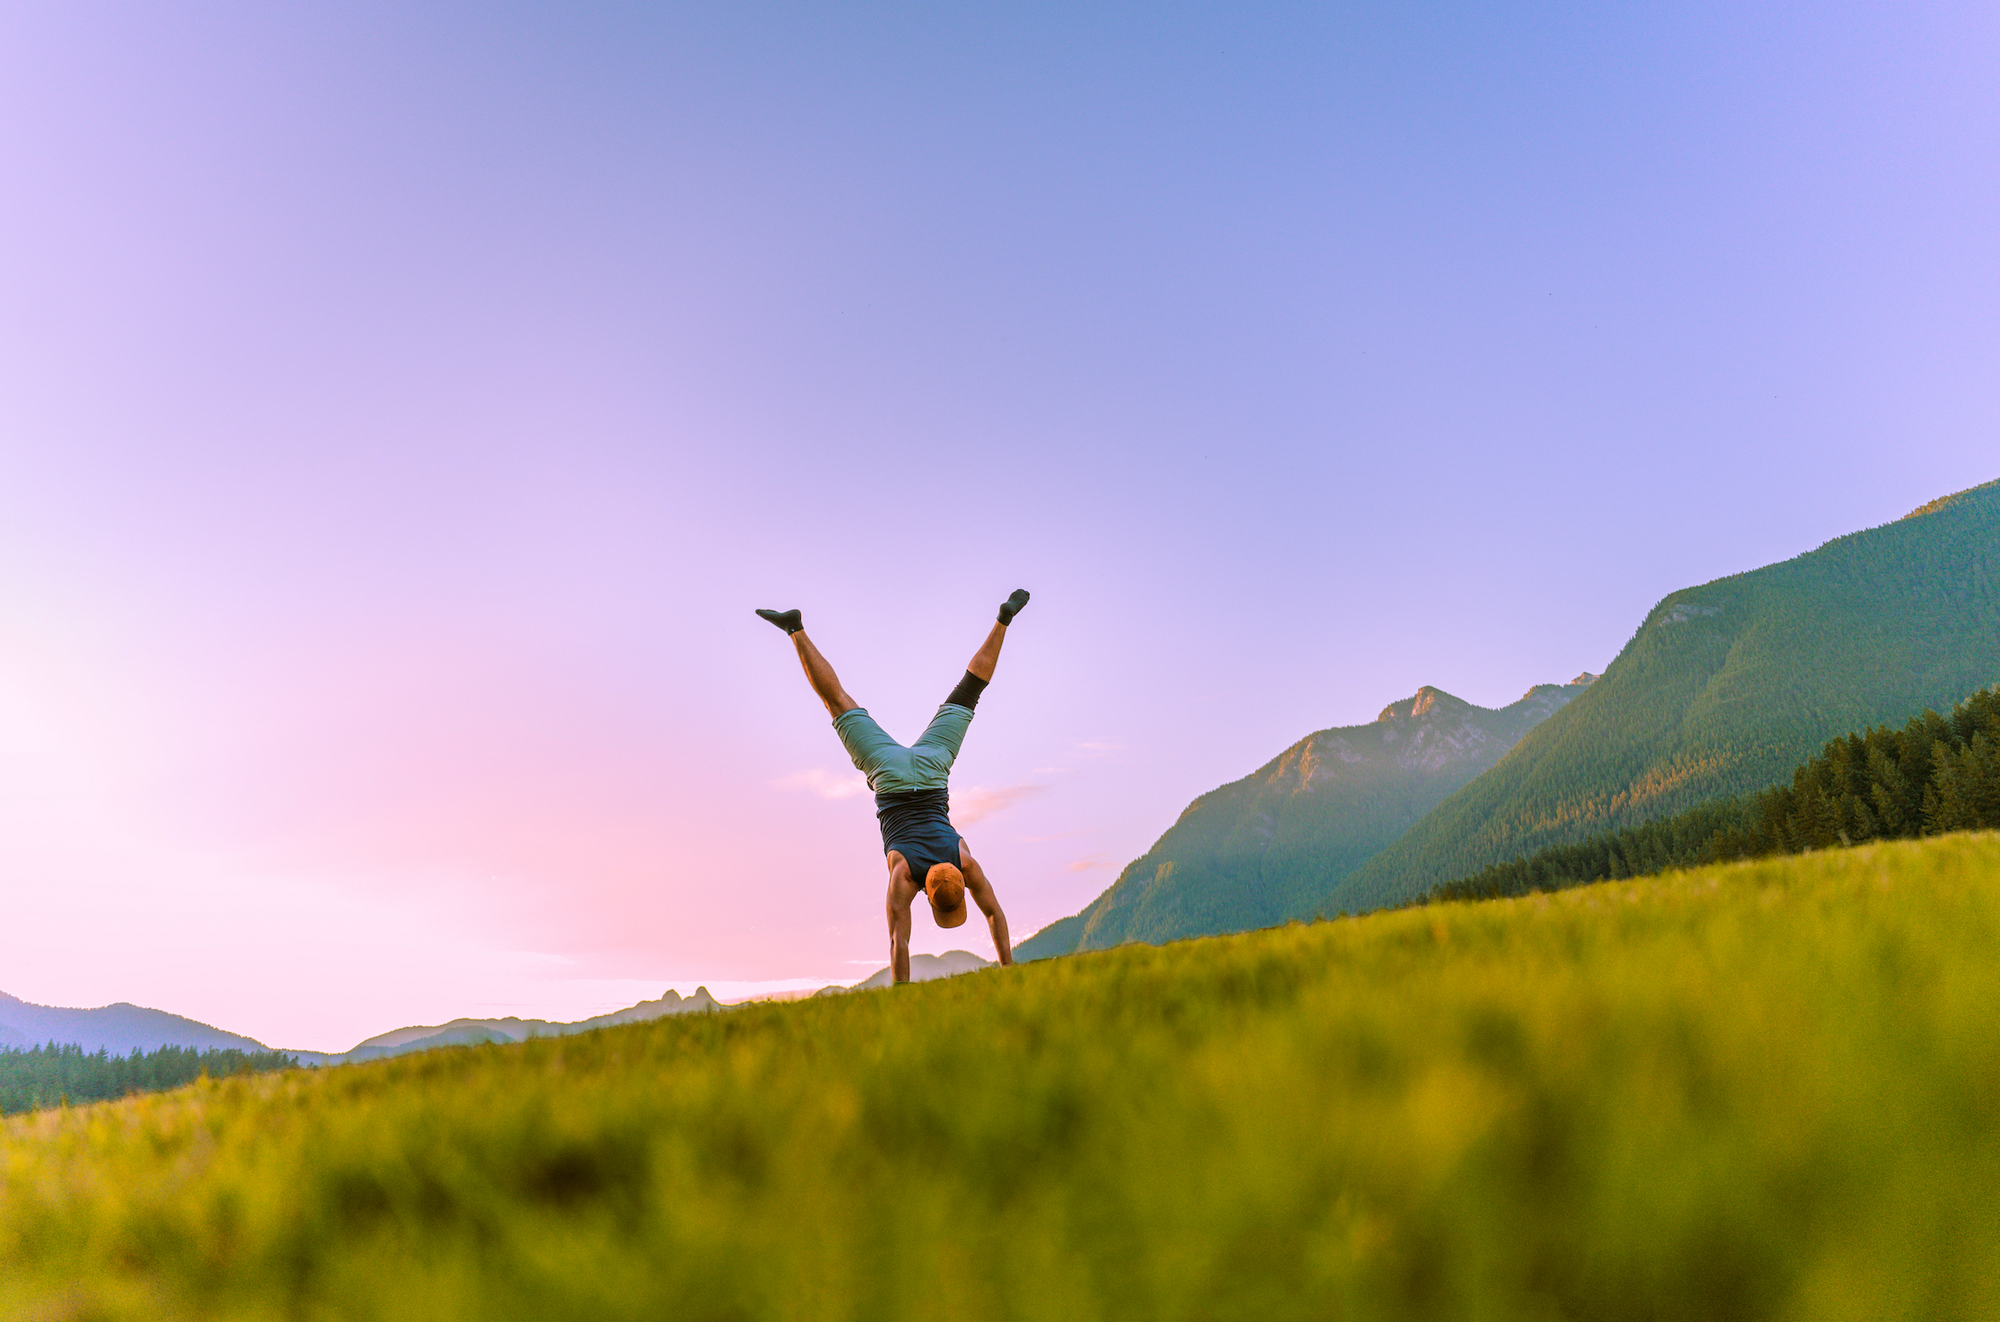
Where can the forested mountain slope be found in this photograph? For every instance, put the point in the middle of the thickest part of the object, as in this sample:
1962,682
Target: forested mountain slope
1725,688
1271,846
1938,774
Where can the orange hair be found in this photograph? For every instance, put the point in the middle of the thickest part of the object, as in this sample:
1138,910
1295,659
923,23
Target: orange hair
945,887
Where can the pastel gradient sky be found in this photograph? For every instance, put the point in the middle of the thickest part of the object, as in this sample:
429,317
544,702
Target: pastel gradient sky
402,407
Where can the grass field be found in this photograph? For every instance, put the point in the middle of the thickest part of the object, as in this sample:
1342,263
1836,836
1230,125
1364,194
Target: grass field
1757,1090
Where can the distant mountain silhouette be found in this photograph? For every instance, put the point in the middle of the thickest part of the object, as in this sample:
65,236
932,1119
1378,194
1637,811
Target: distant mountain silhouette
473,1032
1726,688
122,1028
922,969
119,1029
1274,845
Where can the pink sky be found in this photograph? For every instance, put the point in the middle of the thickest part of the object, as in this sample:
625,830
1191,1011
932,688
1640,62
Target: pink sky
403,409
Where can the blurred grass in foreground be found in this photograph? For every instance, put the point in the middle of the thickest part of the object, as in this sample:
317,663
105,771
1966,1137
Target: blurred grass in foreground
1767,1089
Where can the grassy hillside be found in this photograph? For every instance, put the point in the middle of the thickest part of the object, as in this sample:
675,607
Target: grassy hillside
1271,846
1725,688
1762,1090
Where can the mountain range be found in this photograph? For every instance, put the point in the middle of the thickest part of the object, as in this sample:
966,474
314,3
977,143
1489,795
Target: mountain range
1271,846
1723,689
124,1028
922,969
120,1029
471,1032
1728,686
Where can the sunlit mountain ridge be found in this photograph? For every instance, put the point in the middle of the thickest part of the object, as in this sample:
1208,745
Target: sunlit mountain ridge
1271,846
1723,689
1728,686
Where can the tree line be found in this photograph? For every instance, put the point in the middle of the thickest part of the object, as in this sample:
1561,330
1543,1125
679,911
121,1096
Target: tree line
55,1075
1936,774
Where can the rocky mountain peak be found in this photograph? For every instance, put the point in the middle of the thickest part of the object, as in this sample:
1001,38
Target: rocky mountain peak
1424,702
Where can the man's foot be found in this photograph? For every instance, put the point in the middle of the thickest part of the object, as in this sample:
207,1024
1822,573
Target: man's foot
789,621
1012,606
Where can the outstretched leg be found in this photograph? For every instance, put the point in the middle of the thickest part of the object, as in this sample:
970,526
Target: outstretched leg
988,655
947,728
818,673
821,676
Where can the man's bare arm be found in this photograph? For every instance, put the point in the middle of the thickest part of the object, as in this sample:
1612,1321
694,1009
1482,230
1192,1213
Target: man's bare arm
982,894
902,892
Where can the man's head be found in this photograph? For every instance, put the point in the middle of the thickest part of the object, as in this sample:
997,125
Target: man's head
945,888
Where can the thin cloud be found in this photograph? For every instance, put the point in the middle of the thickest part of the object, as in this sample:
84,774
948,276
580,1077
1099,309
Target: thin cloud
1098,747
826,784
975,804
1086,864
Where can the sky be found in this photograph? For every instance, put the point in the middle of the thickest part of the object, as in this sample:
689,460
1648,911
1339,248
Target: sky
403,407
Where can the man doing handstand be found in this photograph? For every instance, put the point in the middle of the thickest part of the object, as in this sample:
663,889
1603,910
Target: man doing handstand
912,799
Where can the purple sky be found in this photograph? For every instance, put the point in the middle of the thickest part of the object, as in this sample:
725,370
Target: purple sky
402,408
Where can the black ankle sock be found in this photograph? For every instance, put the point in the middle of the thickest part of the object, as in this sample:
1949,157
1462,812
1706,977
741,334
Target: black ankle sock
967,693
1012,606
790,621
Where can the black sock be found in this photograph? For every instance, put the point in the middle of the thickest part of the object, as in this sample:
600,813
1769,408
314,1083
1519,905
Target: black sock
1012,606
790,621
967,693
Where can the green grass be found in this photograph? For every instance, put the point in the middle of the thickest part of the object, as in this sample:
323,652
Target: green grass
1766,1089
